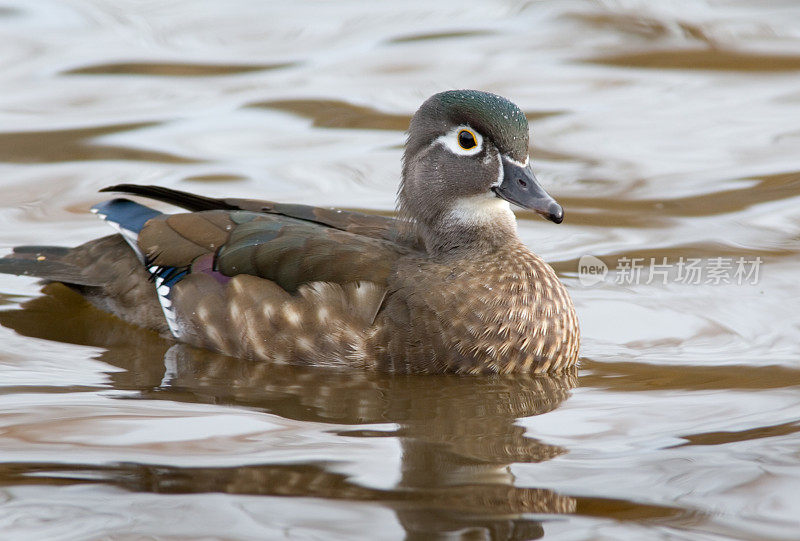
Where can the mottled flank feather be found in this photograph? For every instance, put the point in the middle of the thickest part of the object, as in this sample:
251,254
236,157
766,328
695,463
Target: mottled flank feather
322,324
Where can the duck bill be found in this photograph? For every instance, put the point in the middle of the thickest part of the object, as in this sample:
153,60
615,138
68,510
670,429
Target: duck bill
519,186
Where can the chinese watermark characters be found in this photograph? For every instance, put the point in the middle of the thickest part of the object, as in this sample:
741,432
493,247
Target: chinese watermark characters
684,270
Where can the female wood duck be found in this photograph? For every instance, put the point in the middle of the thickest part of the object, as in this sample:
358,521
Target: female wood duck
448,286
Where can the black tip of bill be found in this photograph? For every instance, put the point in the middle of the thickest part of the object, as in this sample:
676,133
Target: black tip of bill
556,213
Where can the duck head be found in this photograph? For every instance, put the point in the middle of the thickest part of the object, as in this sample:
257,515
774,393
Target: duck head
466,158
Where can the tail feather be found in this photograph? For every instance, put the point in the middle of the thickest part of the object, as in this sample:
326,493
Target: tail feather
105,271
54,263
178,198
34,251
40,265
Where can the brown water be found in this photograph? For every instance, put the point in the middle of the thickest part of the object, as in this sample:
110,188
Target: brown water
667,129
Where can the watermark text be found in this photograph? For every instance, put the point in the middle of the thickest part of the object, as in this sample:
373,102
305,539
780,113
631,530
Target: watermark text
684,270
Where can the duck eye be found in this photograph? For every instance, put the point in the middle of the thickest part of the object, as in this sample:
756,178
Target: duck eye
466,140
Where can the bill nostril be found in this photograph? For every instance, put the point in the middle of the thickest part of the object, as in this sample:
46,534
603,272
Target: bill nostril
522,183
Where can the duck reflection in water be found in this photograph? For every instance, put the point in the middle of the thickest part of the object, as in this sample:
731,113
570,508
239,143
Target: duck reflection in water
458,434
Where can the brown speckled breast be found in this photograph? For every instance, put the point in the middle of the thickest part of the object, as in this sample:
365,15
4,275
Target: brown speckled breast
504,311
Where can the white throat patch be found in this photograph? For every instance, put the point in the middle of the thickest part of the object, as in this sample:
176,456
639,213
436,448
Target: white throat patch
482,210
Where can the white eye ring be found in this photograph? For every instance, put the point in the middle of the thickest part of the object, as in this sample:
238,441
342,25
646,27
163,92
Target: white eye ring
450,141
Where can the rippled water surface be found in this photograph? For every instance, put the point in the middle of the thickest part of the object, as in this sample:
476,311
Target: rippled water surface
666,129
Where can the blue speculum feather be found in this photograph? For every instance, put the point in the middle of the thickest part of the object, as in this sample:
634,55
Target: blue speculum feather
168,276
125,214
